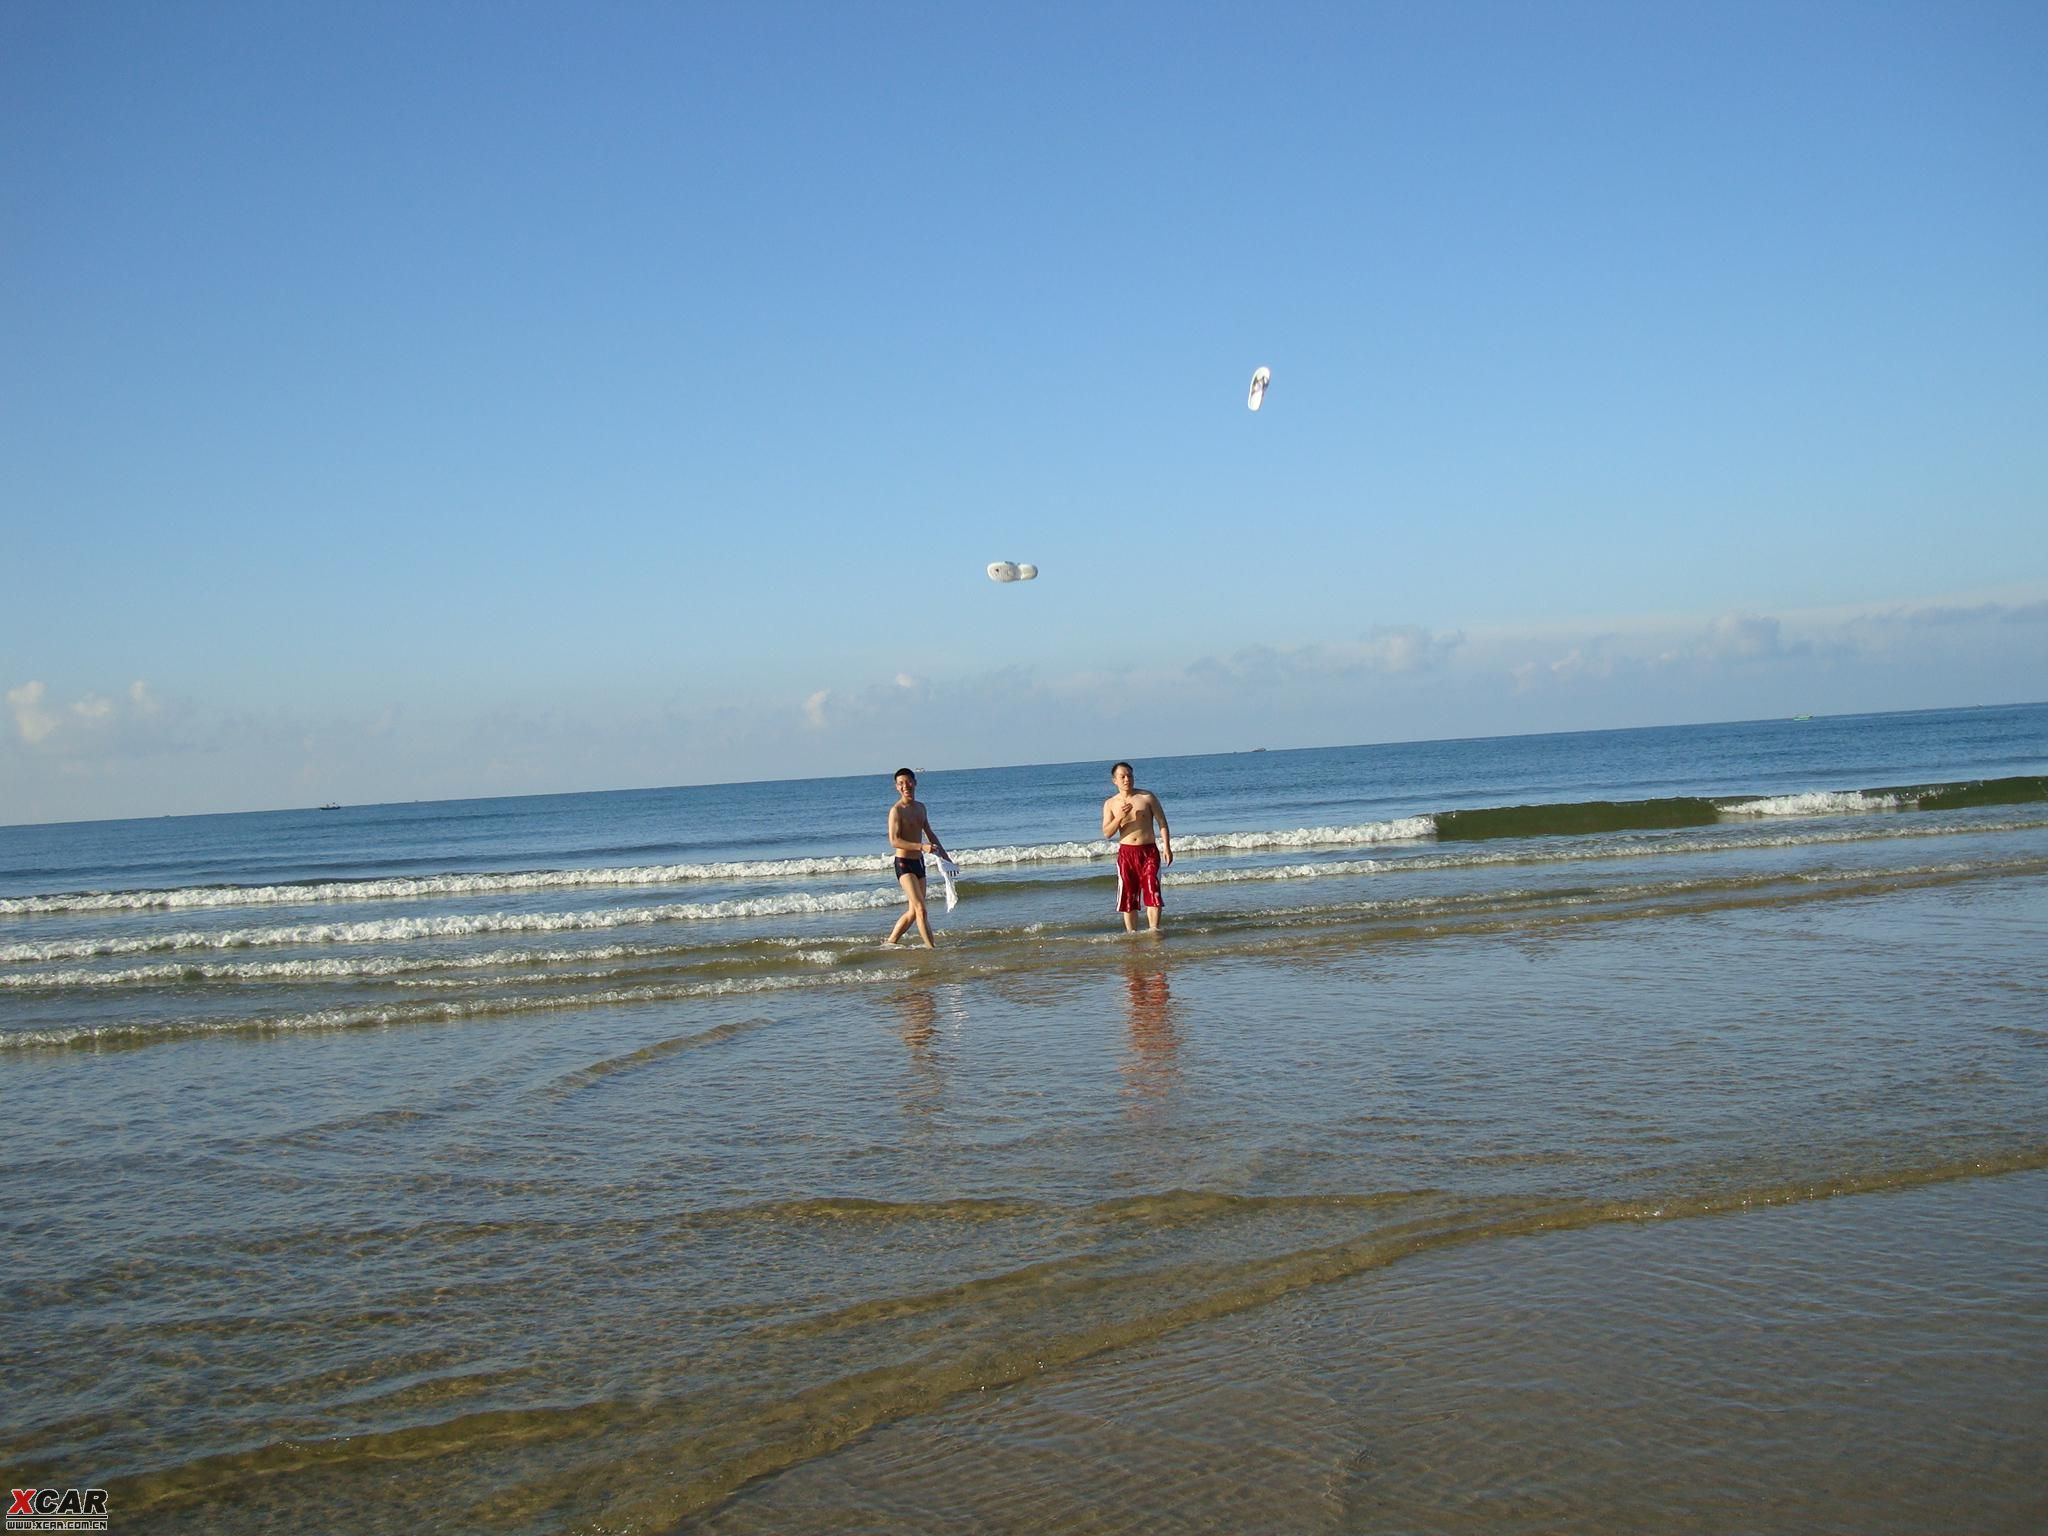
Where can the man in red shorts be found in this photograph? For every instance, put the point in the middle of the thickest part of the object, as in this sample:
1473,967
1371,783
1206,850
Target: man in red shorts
1130,816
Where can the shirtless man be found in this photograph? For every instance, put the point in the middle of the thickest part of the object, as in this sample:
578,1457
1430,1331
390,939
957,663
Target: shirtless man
910,838
1128,816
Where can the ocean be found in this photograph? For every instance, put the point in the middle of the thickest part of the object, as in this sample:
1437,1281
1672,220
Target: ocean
1609,1131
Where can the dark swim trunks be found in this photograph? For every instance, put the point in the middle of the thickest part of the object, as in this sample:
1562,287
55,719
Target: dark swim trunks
1137,876
910,864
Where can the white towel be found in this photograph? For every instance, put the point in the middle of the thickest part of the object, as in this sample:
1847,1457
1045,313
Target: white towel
947,870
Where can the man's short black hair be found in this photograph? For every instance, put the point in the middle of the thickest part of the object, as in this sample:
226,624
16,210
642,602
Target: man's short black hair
903,773
1127,768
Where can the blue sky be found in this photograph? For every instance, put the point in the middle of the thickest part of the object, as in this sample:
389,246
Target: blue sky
409,401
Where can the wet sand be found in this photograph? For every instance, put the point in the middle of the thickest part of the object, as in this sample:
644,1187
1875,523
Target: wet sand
1872,1363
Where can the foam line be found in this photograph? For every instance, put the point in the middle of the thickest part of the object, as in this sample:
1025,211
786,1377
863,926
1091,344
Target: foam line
413,887
406,929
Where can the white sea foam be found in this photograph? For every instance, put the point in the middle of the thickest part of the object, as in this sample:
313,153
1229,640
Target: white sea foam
409,887
399,930
331,968
1407,829
1404,829
1640,846
1332,869
815,960
428,1012
1033,853
394,931
1815,803
444,886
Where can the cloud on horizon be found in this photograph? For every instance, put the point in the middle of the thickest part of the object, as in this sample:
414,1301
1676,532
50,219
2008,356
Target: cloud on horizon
1384,651
123,751
85,721
32,722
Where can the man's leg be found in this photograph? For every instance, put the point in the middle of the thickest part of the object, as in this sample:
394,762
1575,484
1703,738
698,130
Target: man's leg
909,912
924,927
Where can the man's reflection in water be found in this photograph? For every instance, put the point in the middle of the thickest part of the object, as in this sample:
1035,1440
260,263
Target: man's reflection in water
1151,1066
917,1021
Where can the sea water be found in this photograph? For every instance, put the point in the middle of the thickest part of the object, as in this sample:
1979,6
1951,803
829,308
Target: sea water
1544,1132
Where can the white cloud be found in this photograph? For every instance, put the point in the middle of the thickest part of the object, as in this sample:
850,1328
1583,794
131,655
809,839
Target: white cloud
129,717
1743,636
30,718
1918,625
1405,648
1595,657
1388,651
1639,649
84,754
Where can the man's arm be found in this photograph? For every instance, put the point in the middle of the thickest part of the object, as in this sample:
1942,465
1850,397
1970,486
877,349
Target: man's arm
937,847
1165,832
1112,819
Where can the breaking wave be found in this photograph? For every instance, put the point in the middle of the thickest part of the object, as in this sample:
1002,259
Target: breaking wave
457,926
409,887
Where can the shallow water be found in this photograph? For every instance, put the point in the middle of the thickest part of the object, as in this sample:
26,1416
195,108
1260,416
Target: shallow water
1643,1180
1876,1364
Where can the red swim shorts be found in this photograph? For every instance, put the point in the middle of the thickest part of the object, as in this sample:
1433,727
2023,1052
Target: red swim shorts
1137,876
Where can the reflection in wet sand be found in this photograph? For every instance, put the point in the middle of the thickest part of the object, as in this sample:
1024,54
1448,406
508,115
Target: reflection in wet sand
917,1022
1151,1067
